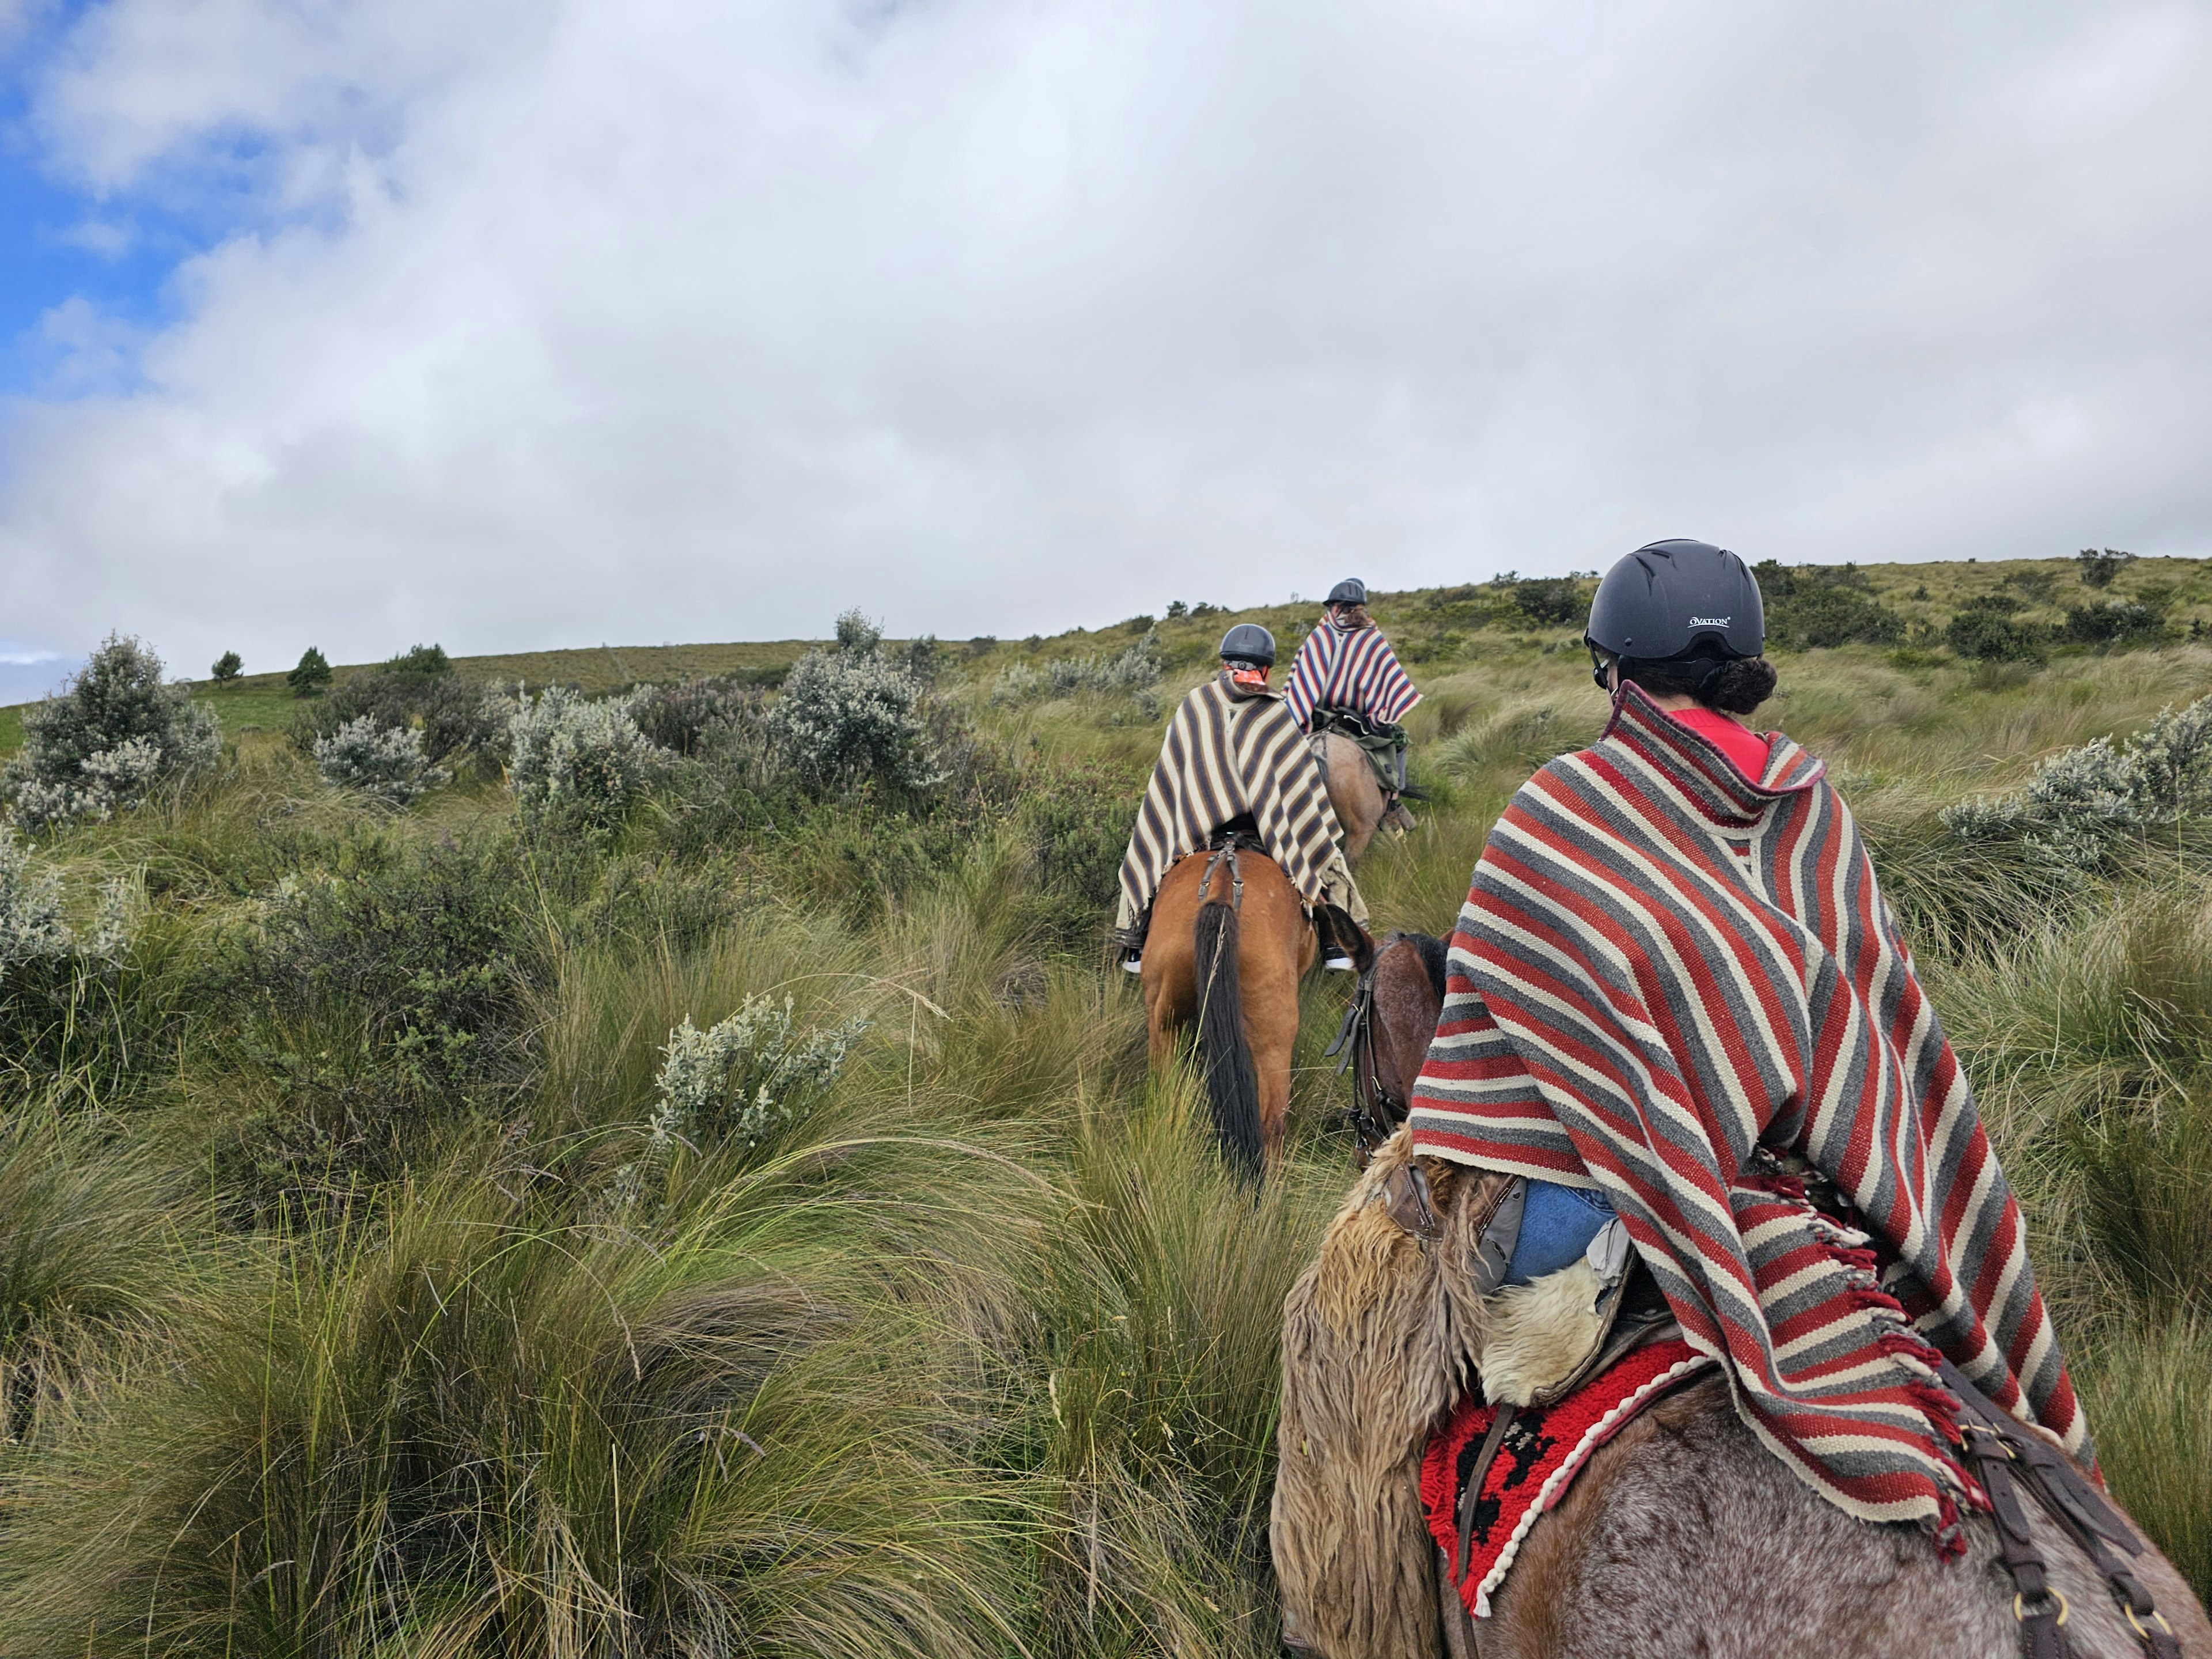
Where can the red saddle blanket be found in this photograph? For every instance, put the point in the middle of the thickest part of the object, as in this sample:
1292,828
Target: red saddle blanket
1537,1461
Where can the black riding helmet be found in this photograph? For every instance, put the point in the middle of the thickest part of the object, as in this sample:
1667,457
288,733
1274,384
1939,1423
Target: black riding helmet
1673,601
1350,590
1248,642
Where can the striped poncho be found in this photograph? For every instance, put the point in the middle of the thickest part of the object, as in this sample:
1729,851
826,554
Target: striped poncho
1665,974
1349,668
1229,751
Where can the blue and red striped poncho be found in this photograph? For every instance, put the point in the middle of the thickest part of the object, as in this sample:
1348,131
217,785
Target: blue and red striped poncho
1349,668
1667,977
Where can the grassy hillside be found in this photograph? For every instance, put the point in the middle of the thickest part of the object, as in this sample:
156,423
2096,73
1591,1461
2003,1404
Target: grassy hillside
384,1269
1438,625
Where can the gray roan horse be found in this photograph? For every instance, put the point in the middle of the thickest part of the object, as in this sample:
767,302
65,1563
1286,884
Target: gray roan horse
1354,792
1682,1536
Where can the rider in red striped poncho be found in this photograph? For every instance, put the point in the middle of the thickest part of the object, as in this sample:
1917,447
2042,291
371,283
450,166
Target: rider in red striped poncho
1676,989
1347,668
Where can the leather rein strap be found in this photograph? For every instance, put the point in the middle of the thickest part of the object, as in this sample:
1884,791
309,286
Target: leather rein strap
1373,1115
1224,846
2005,1457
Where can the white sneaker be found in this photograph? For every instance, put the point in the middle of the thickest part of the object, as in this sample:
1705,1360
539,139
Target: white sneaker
1133,965
1339,963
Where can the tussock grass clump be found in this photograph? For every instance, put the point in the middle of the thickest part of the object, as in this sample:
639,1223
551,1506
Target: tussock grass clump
469,1432
2148,1392
1161,1304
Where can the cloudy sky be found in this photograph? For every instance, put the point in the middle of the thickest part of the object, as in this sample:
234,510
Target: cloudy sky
522,323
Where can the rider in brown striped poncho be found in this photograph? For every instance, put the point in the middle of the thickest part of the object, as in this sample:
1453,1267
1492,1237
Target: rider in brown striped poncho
1234,752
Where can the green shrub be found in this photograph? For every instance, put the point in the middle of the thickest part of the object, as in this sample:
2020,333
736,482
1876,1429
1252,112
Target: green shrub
422,962
452,713
425,660
1132,671
113,735
2084,803
740,1081
695,715
1544,601
1076,822
1817,607
2114,622
1985,630
227,667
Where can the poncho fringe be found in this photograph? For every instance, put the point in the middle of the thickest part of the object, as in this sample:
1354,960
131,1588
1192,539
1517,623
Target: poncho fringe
1667,978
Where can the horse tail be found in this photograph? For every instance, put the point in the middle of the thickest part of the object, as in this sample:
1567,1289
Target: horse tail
1231,1085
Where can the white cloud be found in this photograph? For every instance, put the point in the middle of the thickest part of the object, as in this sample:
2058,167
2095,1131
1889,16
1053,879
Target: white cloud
672,320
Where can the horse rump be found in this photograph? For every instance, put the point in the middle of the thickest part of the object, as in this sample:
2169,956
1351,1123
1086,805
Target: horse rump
1225,1055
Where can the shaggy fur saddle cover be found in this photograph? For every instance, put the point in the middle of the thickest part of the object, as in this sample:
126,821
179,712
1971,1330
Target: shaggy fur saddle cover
1542,1452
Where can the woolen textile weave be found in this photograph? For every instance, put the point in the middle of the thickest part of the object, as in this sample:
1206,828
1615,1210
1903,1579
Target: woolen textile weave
1229,751
1667,976
1349,668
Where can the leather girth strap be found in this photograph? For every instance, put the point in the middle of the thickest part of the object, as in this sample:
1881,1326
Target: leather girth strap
2004,1457
1471,1493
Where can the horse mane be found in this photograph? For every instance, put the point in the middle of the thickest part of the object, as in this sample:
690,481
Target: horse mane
1433,954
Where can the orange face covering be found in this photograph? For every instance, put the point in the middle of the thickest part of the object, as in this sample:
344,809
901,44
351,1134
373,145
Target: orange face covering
1253,679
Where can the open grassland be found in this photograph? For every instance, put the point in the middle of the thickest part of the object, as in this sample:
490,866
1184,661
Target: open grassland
355,1302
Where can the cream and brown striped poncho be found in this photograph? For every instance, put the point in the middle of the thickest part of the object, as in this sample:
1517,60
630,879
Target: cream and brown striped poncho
1665,974
1229,751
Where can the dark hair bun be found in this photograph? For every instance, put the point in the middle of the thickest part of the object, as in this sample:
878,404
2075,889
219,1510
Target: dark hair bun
1741,687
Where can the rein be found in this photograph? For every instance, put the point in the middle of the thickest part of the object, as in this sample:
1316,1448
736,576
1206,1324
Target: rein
2005,1457
1373,1115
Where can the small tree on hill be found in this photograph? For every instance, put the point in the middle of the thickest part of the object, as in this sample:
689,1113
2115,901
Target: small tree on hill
856,633
311,676
427,660
227,667
2099,565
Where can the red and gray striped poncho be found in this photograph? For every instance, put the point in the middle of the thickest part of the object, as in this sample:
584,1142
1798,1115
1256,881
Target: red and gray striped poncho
1664,967
1349,668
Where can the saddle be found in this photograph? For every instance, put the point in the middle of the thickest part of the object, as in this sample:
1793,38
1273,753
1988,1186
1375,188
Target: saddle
1383,744
1331,923
1568,1360
1511,1448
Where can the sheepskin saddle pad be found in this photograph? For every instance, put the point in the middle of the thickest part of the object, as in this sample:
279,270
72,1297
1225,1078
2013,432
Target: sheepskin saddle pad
1544,1449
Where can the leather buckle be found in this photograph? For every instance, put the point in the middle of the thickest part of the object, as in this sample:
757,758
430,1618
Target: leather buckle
2022,1613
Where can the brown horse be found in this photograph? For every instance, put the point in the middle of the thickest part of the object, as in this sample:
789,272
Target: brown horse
1354,792
1228,944
1683,1535
1389,1026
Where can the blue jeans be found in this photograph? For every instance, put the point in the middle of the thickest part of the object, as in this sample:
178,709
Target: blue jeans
1557,1225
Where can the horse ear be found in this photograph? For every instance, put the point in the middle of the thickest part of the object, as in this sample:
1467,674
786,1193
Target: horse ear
1336,925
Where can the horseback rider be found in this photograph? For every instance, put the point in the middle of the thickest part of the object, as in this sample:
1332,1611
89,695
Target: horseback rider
1676,995
1346,679
1234,760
